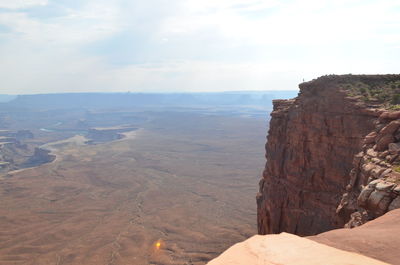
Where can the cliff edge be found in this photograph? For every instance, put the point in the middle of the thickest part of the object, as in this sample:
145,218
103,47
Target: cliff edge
331,155
373,243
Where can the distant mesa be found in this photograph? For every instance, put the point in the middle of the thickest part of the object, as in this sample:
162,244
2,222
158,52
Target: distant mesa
101,135
40,156
18,135
153,100
82,124
15,153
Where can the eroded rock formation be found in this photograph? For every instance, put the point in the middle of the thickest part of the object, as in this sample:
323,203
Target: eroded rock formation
101,135
310,149
15,153
40,156
374,186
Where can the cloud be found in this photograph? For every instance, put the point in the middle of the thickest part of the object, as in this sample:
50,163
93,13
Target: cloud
92,22
158,45
287,22
16,4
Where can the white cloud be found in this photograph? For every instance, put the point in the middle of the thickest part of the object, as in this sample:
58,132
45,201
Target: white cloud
192,45
287,22
16,4
94,21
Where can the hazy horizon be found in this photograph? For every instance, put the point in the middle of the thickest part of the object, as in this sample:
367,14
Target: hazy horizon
50,46
157,92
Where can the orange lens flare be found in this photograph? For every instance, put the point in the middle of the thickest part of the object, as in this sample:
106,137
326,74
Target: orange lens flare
158,244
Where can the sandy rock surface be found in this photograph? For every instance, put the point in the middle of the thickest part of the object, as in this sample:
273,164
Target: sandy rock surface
288,249
377,239
376,242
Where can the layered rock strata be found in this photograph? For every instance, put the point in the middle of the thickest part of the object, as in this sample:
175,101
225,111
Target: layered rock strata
310,149
374,186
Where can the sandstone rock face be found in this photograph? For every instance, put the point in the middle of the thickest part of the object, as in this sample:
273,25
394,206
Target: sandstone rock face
310,148
375,185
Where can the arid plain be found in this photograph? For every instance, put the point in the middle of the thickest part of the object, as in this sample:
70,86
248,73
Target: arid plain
184,180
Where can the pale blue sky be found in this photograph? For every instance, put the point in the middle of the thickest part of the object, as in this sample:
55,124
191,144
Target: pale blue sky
49,46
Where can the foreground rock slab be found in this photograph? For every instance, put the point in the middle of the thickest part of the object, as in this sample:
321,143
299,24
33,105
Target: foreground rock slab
377,239
375,242
288,249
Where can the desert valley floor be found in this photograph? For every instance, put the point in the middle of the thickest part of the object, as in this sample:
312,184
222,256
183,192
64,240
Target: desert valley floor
185,180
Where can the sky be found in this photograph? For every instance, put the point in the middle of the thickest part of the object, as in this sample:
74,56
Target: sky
51,46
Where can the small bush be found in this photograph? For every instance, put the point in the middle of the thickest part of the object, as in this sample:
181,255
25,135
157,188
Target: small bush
394,107
396,99
382,97
396,169
385,93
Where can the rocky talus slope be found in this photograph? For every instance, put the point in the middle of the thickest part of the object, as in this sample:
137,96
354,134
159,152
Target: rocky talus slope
374,186
335,144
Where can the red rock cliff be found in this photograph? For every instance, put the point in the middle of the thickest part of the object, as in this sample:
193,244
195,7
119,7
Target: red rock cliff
310,148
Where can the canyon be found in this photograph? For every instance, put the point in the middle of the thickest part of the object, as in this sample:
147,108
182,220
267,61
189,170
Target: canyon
130,184
17,151
146,185
188,185
331,183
